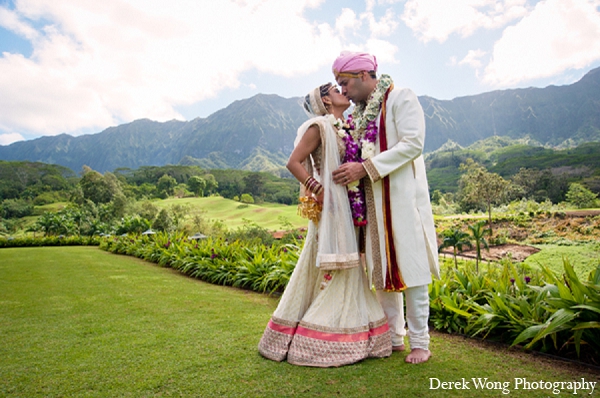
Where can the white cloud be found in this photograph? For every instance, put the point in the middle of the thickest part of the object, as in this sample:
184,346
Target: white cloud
99,63
385,26
7,139
10,20
473,58
437,20
346,21
349,24
556,36
384,50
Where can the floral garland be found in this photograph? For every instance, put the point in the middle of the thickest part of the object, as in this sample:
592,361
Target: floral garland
365,114
359,138
356,195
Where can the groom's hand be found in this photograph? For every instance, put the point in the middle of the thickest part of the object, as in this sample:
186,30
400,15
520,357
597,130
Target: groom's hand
349,172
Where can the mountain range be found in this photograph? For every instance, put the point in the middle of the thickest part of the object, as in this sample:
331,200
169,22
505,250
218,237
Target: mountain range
258,133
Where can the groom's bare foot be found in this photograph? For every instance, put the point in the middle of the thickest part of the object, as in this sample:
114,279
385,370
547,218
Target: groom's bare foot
418,355
398,347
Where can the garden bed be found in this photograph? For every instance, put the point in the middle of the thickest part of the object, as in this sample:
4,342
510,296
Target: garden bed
495,253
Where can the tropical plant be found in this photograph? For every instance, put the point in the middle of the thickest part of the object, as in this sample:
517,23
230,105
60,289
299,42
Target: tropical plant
133,224
457,240
574,308
479,233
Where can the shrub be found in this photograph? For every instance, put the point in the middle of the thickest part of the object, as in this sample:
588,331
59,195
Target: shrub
516,305
50,241
16,208
254,266
246,198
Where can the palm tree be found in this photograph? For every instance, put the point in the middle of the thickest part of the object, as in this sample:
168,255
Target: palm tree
456,239
479,234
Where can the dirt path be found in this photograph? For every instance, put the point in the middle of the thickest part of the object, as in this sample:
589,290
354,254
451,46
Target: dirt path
516,252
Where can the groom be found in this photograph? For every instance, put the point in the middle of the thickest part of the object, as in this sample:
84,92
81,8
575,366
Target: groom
401,244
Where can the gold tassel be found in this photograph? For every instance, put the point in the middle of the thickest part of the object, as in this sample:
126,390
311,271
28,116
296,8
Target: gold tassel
309,208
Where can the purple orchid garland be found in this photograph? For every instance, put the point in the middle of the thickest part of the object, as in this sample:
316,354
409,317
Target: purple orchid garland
356,194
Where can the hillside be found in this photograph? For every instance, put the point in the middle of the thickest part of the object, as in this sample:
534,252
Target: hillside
506,157
258,133
562,116
253,134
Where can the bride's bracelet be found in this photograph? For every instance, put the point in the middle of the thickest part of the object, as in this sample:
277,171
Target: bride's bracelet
313,185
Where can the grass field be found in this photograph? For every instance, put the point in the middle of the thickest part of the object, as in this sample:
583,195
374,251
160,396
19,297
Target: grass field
232,213
584,258
81,322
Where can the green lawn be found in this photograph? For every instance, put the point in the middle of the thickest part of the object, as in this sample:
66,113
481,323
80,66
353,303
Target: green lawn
232,213
81,322
583,257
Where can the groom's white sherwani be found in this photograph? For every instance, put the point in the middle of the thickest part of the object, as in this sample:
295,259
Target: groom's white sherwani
412,228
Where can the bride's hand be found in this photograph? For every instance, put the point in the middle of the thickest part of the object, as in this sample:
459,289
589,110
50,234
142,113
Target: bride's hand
319,198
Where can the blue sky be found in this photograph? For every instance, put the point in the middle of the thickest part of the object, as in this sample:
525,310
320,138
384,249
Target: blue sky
78,67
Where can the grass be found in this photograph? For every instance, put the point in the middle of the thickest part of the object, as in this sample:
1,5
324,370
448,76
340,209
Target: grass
54,207
583,257
232,213
80,322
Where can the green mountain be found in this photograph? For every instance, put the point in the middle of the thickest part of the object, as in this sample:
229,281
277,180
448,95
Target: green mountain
554,116
507,157
253,134
258,133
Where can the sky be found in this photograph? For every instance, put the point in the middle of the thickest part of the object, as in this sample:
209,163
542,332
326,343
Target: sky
81,66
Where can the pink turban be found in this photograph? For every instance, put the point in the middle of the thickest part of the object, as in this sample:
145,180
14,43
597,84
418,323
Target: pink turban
353,62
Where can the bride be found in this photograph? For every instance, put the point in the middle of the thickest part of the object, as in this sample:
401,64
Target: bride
327,315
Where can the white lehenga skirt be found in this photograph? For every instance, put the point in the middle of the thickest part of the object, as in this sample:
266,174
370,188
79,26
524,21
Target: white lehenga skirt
337,325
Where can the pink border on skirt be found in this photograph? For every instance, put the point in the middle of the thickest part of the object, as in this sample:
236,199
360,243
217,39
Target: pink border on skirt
360,336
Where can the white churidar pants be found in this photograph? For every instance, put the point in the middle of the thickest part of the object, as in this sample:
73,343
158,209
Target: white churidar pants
417,315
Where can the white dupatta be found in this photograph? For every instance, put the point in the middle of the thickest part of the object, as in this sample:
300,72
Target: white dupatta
336,236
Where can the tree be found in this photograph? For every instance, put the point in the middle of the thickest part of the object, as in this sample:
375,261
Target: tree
94,186
480,187
581,197
479,233
211,184
456,239
254,184
179,212
166,184
147,210
120,203
197,185
181,191
113,184
145,191
539,185
163,221
436,196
